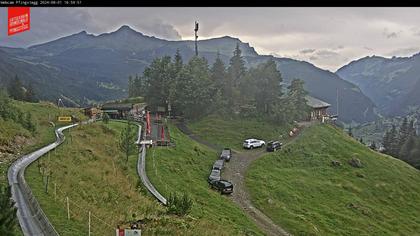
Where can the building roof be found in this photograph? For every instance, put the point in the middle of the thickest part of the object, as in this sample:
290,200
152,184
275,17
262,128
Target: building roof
117,106
315,102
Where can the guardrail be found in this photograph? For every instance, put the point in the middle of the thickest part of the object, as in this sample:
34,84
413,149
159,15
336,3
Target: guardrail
32,218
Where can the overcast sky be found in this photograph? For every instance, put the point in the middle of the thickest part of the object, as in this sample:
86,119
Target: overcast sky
327,37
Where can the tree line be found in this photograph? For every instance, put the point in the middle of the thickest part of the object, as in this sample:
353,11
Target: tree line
10,112
195,89
18,91
403,143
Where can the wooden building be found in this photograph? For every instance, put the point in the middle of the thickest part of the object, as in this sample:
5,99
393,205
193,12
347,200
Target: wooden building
319,109
117,110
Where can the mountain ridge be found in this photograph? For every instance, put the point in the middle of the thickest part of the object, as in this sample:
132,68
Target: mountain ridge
109,58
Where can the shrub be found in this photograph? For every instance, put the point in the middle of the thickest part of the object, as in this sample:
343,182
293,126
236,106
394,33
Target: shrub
179,205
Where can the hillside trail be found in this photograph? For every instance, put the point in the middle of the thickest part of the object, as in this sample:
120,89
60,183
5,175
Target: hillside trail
235,171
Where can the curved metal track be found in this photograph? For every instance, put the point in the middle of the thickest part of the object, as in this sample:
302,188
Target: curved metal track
32,219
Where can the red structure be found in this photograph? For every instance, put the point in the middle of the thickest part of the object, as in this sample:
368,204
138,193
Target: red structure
162,134
148,126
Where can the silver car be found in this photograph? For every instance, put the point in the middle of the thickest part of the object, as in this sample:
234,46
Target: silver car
214,175
218,165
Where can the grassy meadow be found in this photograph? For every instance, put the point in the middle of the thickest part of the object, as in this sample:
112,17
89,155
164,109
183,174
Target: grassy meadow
300,190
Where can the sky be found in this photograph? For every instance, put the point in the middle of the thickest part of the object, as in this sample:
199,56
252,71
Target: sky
326,37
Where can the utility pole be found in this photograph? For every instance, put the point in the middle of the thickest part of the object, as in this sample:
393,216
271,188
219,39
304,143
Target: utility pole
196,37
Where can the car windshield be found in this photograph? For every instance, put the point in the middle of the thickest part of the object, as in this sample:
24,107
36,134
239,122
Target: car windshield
225,183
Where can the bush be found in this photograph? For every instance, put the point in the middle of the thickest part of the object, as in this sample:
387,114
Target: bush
179,205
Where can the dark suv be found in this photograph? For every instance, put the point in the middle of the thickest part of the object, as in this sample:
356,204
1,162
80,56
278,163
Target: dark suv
226,154
273,146
223,186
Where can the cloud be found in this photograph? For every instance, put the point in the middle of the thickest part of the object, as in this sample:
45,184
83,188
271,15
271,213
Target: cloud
403,51
335,33
307,51
161,30
47,24
327,53
389,34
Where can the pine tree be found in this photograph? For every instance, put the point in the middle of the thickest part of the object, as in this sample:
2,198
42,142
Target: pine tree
157,78
29,125
218,73
127,137
176,75
404,132
297,94
268,87
8,218
105,118
407,147
237,66
131,87
350,132
219,79
15,89
373,145
195,89
236,73
390,142
30,95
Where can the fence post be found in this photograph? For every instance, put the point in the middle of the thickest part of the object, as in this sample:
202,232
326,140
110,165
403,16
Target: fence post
68,208
89,223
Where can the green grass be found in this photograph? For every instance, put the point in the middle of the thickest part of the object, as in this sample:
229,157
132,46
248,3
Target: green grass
14,138
28,142
184,169
303,193
231,132
91,171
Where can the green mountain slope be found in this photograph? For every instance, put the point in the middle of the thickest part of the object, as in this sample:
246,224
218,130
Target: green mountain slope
299,189
391,83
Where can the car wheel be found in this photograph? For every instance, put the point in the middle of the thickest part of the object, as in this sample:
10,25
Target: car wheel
251,147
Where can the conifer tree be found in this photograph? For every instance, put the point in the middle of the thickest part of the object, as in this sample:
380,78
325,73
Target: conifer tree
8,218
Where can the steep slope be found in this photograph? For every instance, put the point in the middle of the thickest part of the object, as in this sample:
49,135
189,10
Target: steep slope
85,67
302,191
386,81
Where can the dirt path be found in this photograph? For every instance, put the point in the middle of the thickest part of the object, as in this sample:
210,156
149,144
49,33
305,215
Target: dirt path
235,171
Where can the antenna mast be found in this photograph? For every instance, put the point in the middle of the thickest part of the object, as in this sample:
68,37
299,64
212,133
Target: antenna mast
196,37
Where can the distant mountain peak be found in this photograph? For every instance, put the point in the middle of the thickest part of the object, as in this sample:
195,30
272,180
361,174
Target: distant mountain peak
126,28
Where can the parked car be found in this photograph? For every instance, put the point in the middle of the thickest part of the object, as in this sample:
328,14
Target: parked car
226,154
223,186
273,146
218,165
253,143
214,175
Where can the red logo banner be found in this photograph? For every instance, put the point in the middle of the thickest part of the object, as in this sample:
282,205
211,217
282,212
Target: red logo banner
19,20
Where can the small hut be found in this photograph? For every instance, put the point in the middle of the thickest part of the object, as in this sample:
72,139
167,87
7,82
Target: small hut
319,108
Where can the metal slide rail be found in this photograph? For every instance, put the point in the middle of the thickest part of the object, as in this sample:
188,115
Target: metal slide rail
32,218
141,165
141,171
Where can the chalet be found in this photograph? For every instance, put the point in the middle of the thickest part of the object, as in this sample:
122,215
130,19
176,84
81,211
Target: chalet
117,110
319,109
